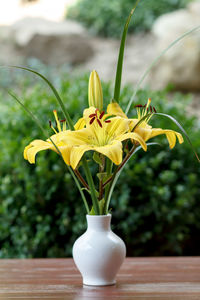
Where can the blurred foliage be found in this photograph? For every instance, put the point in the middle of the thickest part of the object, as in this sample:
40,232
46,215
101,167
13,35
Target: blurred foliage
107,18
155,205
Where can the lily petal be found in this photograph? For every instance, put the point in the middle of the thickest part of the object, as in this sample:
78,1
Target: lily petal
66,152
115,109
134,136
34,147
170,134
80,124
76,154
117,126
112,151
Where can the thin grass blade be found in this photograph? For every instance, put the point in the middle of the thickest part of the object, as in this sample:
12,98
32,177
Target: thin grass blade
121,56
181,129
65,112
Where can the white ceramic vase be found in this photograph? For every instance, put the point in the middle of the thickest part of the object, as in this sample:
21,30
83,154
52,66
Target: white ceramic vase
99,253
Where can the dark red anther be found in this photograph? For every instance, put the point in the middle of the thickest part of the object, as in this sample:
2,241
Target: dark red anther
92,115
101,115
99,123
138,105
92,120
50,123
107,121
62,121
154,109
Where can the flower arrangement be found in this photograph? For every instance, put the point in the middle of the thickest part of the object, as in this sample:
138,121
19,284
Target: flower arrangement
111,136
107,136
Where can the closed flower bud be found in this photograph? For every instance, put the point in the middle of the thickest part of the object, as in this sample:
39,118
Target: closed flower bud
95,94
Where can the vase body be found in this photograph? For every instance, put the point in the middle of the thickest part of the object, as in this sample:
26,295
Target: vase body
99,253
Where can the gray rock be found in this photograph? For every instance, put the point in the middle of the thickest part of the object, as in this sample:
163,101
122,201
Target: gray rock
52,42
181,64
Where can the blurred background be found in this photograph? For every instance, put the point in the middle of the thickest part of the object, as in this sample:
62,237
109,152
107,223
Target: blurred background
155,205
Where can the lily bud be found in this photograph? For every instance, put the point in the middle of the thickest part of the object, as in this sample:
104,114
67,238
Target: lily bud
95,94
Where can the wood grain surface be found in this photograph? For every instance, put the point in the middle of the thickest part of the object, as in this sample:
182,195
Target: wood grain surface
172,278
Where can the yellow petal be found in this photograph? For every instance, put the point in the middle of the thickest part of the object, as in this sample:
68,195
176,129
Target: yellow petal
170,134
80,124
116,127
76,154
25,151
66,152
144,133
77,138
115,109
57,138
134,136
33,148
180,137
112,151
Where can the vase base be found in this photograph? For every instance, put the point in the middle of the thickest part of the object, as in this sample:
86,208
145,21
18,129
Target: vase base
103,283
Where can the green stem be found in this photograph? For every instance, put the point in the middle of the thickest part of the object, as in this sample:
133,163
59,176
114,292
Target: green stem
92,186
115,177
82,180
80,190
109,166
101,170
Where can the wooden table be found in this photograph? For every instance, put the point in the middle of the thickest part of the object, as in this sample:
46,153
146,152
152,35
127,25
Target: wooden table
139,278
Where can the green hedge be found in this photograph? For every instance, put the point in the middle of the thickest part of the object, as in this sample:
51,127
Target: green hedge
156,202
107,18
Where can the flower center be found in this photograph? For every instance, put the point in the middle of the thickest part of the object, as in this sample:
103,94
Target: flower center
98,117
58,123
144,110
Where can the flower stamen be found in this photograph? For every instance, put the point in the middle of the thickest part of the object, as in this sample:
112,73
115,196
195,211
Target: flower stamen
92,120
99,118
57,120
142,110
99,122
101,115
51,126
64,124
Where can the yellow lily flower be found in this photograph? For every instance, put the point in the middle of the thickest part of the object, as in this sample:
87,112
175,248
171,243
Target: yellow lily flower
35,146
144,130
102,135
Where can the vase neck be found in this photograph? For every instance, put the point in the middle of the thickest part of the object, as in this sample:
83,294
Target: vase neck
99,223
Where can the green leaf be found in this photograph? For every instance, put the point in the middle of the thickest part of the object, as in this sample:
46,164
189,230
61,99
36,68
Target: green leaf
121,56
97,159
103,176
153,64
90,181
85,189
182,130
101,208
